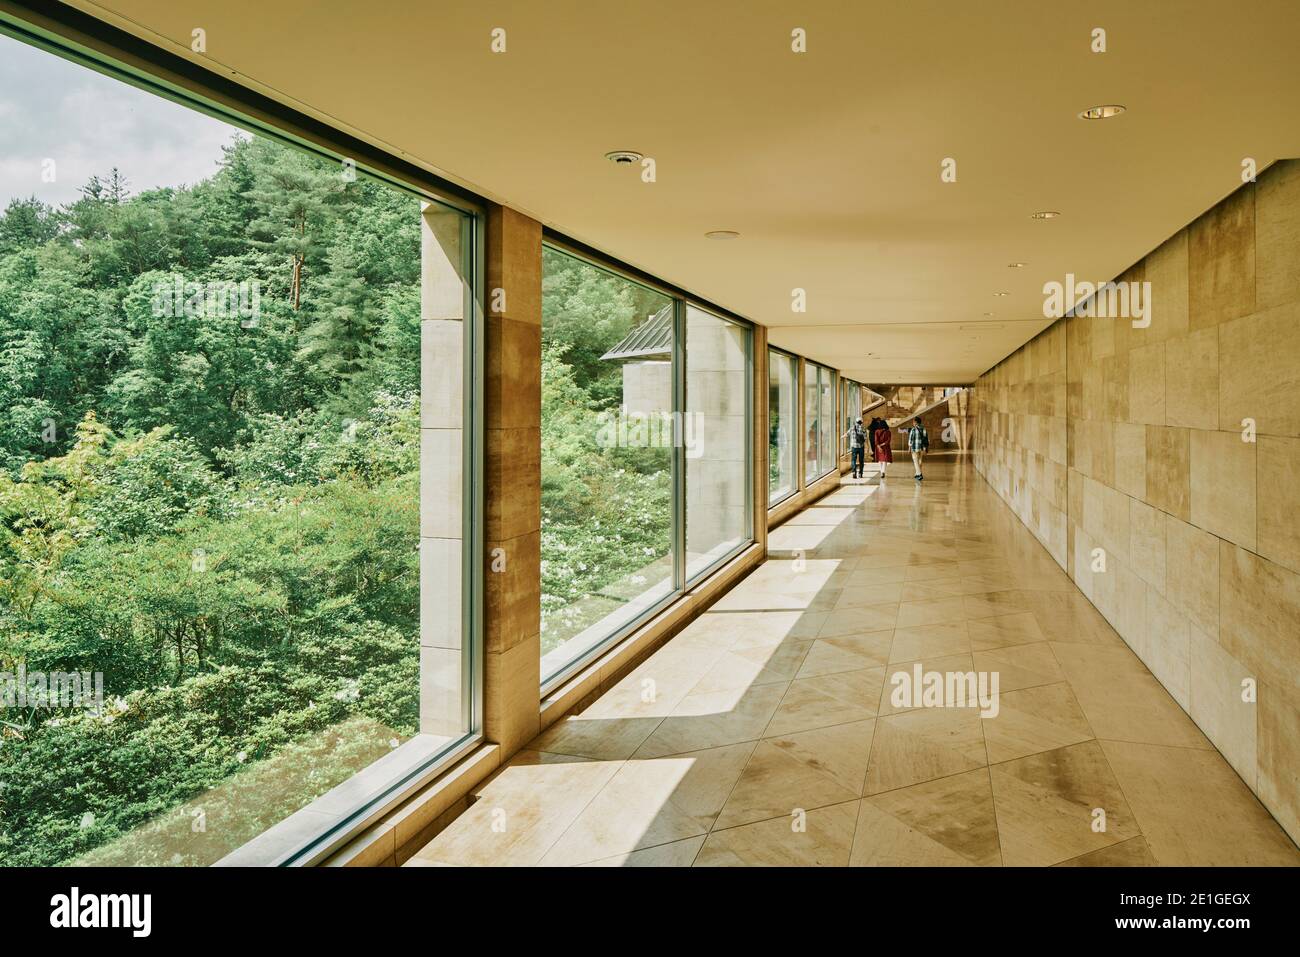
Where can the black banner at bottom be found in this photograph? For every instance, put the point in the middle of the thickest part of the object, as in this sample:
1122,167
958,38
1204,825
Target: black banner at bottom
336,906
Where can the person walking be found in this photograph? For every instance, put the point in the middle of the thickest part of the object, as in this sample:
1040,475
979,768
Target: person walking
918,442
882,440
857,437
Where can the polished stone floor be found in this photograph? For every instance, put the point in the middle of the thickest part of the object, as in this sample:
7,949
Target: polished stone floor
768,733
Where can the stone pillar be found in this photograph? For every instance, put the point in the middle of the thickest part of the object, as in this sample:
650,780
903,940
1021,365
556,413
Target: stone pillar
760,431
444,292
801,437
513,480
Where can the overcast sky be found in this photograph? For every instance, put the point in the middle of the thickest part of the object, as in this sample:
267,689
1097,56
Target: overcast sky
88,123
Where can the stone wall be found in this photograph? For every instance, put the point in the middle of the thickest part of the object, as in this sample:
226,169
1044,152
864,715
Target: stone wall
1158,466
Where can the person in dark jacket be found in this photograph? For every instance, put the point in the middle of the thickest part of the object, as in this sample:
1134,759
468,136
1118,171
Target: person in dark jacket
881,440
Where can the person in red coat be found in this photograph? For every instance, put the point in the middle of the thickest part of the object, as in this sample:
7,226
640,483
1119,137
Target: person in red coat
881,440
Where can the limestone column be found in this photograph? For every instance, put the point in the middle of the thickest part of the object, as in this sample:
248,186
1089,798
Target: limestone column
512,480
761,438
444,690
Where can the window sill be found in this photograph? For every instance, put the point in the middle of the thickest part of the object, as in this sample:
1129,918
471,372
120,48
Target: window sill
362,804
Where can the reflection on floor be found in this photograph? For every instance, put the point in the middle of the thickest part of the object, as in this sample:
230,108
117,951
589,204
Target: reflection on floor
768,731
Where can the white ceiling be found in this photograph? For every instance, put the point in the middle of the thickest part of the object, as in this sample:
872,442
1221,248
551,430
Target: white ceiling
826,162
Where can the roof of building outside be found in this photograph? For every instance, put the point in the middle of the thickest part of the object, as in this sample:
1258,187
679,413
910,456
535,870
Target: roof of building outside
654,337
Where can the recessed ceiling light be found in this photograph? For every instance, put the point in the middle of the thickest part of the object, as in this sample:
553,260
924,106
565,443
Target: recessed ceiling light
1104,112
623,157
1045,214
1001,294
1017,265
722,234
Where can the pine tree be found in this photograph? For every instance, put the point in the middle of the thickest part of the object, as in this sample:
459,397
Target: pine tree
297,199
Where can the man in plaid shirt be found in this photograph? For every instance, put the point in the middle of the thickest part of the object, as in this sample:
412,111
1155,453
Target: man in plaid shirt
918,441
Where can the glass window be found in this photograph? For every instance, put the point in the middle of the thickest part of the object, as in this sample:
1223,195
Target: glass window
212,541
607,455
826,420
811,432
782,424
716,439
819,421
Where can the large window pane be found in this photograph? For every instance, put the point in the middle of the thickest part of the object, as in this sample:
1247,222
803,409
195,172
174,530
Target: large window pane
782,425
819,421
210,476
607,402
811,433
716,443
826,420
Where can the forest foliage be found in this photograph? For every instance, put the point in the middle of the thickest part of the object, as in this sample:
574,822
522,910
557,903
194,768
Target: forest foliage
220,514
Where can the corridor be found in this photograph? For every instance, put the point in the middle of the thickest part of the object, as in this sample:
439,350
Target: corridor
767,732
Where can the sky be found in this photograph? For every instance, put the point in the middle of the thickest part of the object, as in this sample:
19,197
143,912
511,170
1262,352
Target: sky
51,108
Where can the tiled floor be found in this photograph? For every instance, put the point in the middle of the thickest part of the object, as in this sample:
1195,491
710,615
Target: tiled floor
765,732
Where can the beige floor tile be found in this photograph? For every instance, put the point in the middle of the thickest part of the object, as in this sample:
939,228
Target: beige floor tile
859,621
932,571
808,769
863,596
713,720
823,514
924,744
905,671
940,588
757,598
765,664
1131,853
676,854
929,612
826,700
1001,631
1050,806
996,603
948,822
1020,666
752,630
591,736
821,837
1033,720
806,575
652,802
1122,701
1194,810
1070,617
847,653
876,574
929,641
521,811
